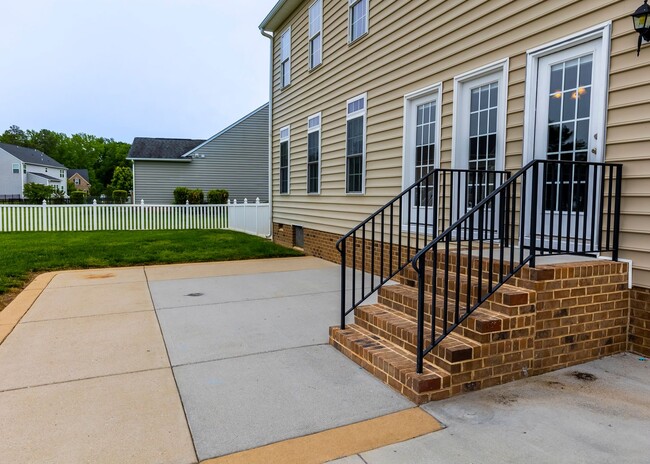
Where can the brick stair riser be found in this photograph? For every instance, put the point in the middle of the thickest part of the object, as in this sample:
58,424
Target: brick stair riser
452,261
404,338
458,361
472,328
504,300
396,371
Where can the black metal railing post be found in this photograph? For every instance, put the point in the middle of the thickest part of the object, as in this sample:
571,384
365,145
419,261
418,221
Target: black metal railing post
617,211
533,214
343,272
421,283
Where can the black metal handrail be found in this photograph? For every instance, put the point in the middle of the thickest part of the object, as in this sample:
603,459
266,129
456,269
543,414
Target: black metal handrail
426,208
565,207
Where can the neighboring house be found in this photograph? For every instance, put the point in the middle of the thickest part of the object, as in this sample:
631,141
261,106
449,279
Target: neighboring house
80,179
235,159
370,95
21,165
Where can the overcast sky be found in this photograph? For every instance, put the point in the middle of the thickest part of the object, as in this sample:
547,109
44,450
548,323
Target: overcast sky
127,68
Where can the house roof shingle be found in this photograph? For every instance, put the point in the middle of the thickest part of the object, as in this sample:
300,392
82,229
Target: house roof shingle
82,172
30,155
155,148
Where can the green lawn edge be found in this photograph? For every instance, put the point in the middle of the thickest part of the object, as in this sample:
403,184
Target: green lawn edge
22,254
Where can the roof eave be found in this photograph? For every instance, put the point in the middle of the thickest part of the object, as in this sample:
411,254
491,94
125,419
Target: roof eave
279,14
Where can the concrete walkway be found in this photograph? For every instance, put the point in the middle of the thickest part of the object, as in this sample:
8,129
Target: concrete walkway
186,363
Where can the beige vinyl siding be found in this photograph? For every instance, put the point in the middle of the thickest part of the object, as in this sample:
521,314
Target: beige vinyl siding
414,44
236,160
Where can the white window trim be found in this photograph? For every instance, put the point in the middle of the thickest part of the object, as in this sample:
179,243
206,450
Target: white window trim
601,31
501,68
288,59
13,168
320,152
351,3
409,99
288,140
348,116
310,36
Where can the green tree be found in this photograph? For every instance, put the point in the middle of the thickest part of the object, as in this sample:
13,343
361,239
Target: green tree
122,179
36,193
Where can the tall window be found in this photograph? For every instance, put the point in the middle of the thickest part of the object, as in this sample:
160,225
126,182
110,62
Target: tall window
358,18
285,58
15,168
355,145
315,34
313,154
284,159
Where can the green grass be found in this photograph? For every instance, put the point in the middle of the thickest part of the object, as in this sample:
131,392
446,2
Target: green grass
25,253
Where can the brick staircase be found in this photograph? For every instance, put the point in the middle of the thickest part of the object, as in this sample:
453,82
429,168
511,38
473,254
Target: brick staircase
546,318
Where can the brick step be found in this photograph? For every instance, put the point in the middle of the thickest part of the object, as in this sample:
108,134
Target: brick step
507,299
391,364
483,325
452,260
401,330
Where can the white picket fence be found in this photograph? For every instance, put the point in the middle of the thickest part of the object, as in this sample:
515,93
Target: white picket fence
252,218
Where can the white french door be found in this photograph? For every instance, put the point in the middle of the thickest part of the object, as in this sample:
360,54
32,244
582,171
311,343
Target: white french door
421,155
479,141
570,96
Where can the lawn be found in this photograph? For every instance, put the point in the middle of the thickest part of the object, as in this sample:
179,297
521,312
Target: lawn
24,253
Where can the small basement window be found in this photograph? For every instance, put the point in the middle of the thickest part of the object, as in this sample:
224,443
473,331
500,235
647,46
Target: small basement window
298,236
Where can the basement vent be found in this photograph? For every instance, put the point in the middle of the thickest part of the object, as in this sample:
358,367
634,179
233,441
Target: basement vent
298,236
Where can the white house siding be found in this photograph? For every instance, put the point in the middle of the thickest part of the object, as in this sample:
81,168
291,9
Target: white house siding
236,160
10,183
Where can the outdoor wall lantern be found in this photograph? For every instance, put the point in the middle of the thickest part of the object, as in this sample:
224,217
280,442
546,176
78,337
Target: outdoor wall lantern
641,19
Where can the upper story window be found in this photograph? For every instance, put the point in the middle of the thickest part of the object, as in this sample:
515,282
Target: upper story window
358,18
285,58
15,168
313,153
355,150
61,174
316,34
76,181
285,134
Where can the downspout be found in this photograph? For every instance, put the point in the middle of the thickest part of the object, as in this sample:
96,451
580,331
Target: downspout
270,37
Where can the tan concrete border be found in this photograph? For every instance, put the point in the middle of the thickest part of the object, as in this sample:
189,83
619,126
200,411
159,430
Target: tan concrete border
13,313
339,442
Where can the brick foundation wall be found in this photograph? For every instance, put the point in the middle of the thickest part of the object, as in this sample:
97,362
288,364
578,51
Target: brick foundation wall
283,234
639,333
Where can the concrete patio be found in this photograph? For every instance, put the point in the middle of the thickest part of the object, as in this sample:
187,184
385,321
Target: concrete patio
185,363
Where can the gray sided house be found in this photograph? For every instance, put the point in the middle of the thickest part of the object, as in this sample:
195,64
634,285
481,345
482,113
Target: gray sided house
21,165
235,159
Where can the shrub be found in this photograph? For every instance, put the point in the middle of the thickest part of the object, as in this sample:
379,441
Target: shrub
180,195
218,197
77,197
119,196
195,197
36,193
58,197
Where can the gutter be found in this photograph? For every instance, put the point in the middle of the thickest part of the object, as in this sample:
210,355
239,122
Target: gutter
270,37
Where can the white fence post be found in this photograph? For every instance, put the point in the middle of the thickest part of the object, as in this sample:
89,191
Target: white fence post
257,220
44,215
94,214
187,214
245,211
141,214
